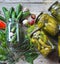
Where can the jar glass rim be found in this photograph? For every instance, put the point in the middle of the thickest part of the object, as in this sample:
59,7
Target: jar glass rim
53,5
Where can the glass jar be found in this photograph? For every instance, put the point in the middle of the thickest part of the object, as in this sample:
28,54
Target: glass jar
15,35
55,10
42,42
49,24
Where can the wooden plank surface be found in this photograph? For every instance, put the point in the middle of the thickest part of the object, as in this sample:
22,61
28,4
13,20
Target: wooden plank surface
35,6
30,0
27,1
23,0
1,0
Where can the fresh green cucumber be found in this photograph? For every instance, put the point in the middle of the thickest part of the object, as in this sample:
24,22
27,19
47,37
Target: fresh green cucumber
13,15
7,15
2,18
13,29
19,15
14,38
18,9
4,9
11,11
26,14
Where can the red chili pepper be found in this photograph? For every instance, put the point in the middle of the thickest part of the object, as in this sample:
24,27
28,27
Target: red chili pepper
2,24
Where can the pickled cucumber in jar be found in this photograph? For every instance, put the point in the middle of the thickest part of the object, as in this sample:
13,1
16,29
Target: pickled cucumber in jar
49,24
42,43
40,40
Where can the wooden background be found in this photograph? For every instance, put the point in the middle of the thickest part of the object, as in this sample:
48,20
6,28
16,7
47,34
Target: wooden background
35,6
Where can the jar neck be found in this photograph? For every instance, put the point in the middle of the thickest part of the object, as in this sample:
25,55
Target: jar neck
53,9
54,6
13,20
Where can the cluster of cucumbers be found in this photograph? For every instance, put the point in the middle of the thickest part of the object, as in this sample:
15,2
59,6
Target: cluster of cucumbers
13,13
18,14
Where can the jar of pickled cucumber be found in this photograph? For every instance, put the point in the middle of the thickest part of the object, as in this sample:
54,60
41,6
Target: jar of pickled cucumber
14,34
49,23
55,10
42,42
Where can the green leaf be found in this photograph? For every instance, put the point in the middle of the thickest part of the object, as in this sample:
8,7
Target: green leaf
30,56
2,57
4,44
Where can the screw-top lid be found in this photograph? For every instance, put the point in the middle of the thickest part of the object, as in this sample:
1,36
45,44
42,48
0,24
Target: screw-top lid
52,5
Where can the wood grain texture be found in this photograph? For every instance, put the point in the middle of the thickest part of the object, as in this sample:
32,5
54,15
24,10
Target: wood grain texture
24,0
30,0
34,8
1,0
